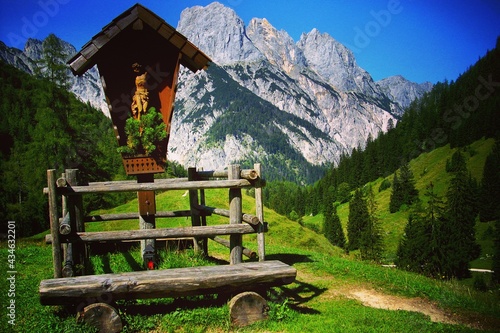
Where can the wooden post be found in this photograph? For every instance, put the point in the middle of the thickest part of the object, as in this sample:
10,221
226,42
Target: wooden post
235,216
147,210
204,221
75,209
54,223
200,243
65,229
259,211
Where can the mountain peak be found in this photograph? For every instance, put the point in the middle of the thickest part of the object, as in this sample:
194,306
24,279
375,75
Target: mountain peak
219,32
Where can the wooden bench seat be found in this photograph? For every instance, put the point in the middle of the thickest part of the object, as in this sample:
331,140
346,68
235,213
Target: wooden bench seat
175,282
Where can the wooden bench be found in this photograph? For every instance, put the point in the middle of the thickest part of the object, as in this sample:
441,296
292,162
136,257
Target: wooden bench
175,282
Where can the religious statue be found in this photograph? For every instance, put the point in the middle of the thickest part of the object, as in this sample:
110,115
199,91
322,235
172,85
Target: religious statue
141,98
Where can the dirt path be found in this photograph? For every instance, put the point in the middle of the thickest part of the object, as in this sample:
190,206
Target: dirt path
376,299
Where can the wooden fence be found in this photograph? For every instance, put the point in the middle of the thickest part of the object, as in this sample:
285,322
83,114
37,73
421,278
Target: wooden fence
68,235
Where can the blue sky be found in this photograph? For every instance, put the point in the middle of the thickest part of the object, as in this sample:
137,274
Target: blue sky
423,40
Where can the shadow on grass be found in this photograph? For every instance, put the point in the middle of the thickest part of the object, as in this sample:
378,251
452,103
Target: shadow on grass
289,258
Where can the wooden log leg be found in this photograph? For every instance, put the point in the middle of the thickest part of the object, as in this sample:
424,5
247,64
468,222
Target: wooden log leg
235,216
247,308
102,316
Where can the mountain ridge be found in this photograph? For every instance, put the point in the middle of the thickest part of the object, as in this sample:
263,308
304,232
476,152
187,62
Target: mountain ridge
332,105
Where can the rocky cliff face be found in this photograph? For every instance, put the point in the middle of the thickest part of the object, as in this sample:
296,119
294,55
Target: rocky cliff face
402,91
291,105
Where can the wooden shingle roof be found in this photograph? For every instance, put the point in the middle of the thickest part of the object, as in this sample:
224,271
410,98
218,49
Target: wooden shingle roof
137,16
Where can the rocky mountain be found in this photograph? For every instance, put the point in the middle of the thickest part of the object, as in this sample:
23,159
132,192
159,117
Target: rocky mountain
292,106
402,91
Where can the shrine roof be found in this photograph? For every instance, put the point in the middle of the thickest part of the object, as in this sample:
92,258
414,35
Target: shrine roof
136,17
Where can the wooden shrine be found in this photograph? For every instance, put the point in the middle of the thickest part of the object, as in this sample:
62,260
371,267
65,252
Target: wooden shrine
138,56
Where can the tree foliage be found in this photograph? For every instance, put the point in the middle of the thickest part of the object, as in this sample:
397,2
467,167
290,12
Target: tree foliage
489,207
403,189
38,133
332,228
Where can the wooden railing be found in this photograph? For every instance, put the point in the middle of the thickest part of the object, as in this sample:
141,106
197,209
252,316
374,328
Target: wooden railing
68,236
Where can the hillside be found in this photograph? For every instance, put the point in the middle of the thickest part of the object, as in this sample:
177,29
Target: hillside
426,168
331,292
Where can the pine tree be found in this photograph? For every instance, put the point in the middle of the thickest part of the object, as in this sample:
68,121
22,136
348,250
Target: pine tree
460,245
371,246
52,65
358,220
489,209
410,193
396,195
332,227
403,189
496,253
420,249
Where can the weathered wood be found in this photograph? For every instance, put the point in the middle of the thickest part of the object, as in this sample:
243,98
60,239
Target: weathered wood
61,182
156,186
235,216
101,316
200,244
200,231
68,270
259,211
54,223
248,174
75,210
65,228
246,251
147,209
64,225
133,216
176,282
247,308
248,218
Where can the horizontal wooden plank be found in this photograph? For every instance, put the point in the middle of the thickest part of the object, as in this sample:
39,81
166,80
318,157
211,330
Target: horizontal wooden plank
166,283
156,186
199,231
248,218
132,216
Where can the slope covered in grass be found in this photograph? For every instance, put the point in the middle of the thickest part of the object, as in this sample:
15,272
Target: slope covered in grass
427,168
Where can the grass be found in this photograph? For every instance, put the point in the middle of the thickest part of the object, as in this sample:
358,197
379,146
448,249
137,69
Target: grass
317,301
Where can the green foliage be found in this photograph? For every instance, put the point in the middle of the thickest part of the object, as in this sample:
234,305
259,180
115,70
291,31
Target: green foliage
145,134
332,228
496,253
52,64
420,247
489,207
386,183
403,189
358,220
372,247
45,127
460,247
457,162
440,240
